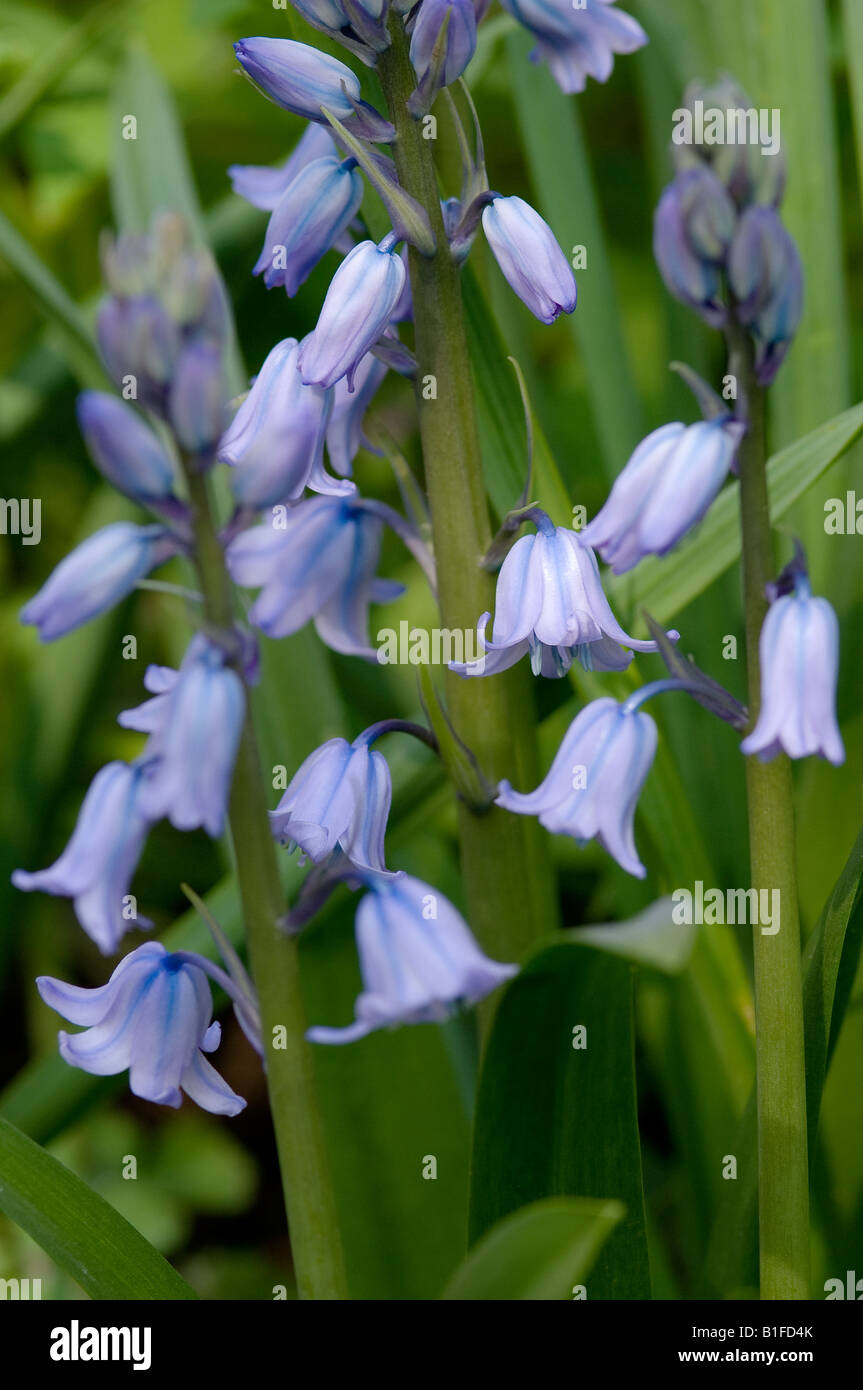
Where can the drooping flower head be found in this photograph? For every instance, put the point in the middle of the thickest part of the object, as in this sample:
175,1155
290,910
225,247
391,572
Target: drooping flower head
665,489
96,867
338,799
578,40
418,960
317,561
275,442
799,656
592,787
298,77
152,1018
549,601
527,252
359,305
100,572
194,724
308,219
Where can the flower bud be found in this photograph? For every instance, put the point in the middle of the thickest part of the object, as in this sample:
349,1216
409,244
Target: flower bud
123,448
276,439
692,232
197,399
298,77
139,341
527,252
98,573
765,276
459,44
359,304
311,214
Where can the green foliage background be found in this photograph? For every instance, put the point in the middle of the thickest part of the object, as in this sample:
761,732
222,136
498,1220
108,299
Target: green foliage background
207,1192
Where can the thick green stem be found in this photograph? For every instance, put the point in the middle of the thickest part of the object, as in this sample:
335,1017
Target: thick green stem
315,1240
783,1179
509,887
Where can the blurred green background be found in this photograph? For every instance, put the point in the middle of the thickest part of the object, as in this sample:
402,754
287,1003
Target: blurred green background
207,1192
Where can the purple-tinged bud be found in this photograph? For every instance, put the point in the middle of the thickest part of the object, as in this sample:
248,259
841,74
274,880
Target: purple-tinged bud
765,276
799,657
322,14
197,401
263,187
152,1018
578,41
276,440
418,958
663,491
746,158
527,252
359,304
692,232
139,343
96,867
123,448
311,214
592,787
98,573
298,77
459,39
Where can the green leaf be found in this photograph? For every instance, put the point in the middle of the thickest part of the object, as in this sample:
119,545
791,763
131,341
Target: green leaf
59,308
557,1119
553,142
830,962
78,1229
667,585
501,418
539,1253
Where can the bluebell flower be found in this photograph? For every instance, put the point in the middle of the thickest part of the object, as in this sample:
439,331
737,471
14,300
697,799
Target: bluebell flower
418,958
693,228
338,799
322,14
578,42
263,186
196,406
459,42
123,448
139,342
527,252
194,724
765,276
275,442
753,171
345,426
593,785
359,305
312,213
318,562
299,77
100,572
549,601
152,1018
96,867
664,489
799,656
